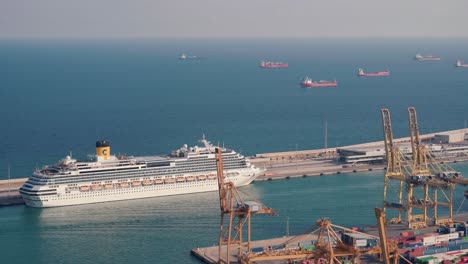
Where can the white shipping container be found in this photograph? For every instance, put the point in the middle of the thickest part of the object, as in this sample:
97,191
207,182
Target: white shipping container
429,243
429,239
442,238
453,235
361,242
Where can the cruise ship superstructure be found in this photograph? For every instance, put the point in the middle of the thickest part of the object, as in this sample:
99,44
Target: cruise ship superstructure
111,178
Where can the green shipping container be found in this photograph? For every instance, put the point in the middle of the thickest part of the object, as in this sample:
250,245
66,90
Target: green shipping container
424,260
307,248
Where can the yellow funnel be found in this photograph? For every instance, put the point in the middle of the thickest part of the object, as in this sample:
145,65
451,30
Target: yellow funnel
103,149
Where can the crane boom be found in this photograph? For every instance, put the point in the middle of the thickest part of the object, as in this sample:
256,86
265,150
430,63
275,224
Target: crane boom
418,150
391,151
221,186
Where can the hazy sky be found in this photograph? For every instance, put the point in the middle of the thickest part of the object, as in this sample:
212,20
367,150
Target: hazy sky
234,18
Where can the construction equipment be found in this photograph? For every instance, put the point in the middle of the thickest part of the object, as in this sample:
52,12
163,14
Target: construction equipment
237,212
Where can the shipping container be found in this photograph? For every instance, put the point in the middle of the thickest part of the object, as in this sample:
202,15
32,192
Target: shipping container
305,243
308,248
276,247
256,249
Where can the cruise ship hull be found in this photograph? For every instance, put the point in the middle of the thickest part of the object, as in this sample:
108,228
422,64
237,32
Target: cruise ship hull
63,198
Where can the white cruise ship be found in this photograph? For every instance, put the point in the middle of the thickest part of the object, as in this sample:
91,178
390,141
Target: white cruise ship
110,178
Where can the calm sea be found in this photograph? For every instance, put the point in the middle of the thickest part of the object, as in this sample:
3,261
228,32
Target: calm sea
61,96
58,97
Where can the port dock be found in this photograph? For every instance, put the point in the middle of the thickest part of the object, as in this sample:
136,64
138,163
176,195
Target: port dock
210,254
316,162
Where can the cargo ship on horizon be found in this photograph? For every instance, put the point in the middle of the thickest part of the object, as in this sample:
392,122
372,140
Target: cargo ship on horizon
108,178
461,64
361,73
184,56
271,64
308,83
420,57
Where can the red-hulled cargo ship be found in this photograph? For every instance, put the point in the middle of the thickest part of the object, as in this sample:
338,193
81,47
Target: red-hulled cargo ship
361,73
271,64
461,64
420,57
307,82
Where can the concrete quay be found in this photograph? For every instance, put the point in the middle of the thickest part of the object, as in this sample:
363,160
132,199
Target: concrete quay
296,168
9,192
211,254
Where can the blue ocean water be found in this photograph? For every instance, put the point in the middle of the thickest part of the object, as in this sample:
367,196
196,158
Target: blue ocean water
58,96
62,95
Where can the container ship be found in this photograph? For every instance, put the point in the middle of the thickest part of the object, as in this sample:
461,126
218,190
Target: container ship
110,178
270,64
461,64
361,73
307,82
420,57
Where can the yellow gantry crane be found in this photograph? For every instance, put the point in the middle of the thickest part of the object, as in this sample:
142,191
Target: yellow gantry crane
426,170
418,175
237,213
394,172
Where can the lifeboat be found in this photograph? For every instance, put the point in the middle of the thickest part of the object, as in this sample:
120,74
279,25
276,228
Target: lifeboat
136,183
212,176
84,188
180,179
147,182
158,181
201,177
96,187
124,184
190,178
169,180
109,186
